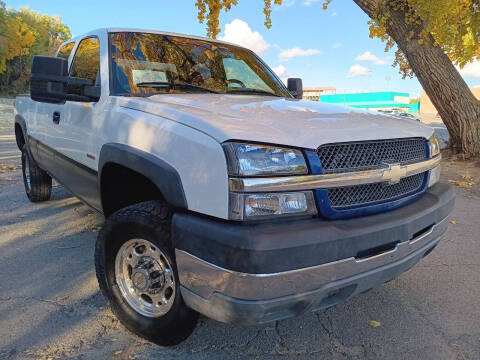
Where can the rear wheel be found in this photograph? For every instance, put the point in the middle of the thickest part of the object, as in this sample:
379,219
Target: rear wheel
137,274
38,184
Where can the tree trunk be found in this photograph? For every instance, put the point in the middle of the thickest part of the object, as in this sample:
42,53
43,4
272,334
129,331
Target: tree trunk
455,103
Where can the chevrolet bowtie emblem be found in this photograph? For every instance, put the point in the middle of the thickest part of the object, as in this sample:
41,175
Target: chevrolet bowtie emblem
394,173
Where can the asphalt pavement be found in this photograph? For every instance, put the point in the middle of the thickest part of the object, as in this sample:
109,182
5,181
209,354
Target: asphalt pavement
51,307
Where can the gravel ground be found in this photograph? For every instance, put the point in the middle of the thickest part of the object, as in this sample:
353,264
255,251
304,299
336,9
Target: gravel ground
50,305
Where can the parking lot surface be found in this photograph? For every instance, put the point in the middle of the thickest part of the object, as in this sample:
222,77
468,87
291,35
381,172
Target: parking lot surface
51,307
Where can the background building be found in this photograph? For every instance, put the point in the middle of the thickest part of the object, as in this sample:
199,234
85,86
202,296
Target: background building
428,112
385,101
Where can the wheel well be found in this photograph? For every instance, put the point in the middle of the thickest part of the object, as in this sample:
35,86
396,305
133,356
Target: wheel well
121,187
19,136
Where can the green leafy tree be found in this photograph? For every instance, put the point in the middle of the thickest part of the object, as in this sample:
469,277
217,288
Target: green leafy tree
430,37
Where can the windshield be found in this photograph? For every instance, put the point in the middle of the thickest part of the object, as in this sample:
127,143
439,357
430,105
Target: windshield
145,64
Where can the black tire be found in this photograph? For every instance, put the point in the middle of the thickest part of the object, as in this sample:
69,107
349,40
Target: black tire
150,221
38,184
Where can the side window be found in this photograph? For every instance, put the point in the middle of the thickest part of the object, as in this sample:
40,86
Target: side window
86,63
65,50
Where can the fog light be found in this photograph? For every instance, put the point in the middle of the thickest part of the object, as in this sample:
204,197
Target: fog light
256,206
434,176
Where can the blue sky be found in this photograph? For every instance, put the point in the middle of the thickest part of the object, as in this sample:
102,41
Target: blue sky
325,48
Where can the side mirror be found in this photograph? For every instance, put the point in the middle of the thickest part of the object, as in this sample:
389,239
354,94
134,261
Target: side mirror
49,79
295,87
49,82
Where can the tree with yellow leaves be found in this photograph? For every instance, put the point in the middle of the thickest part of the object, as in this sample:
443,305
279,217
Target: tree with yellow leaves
430,36
23,34
15,38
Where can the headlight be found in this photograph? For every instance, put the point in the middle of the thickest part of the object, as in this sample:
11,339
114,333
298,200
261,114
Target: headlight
263,160
261,206
434,146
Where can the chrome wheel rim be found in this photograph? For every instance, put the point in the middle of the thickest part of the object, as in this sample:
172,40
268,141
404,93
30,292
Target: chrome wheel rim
145,277
27,172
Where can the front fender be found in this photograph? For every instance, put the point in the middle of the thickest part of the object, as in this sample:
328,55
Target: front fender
160,173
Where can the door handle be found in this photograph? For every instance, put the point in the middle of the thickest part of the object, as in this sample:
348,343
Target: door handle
56,117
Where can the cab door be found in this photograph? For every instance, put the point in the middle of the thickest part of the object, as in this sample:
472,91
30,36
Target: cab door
42,127
75,128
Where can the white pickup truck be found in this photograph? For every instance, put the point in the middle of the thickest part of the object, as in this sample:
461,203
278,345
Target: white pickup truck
224,193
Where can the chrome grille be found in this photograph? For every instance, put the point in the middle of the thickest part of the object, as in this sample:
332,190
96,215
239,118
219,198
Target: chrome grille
365,155
364,195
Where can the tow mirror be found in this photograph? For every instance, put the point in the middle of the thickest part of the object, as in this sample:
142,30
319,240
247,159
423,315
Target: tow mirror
49,82
295,87
49,79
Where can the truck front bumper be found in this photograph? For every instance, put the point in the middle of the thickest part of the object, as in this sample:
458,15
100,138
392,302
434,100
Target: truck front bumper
259,273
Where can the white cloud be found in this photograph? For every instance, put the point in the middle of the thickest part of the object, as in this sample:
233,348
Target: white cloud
358,70
471,70
286,55
367,56
282,73
334,13
310,2
337,45
239,32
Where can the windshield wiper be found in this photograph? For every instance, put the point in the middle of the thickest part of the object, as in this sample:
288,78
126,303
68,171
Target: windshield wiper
252,91
173,85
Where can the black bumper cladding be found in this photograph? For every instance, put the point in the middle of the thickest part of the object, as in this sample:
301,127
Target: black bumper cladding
259,273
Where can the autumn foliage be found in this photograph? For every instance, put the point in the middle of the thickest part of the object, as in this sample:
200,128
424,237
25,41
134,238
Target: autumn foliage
454,25
23,34
209,10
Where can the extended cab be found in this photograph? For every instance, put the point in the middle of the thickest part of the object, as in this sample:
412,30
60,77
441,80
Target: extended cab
224,193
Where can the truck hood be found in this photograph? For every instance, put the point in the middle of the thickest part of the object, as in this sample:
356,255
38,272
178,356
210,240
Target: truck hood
267,119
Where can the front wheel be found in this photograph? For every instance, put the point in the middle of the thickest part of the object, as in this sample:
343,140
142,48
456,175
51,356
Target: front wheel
137,274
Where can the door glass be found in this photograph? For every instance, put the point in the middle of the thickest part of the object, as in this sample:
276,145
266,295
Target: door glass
86,63
65,50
